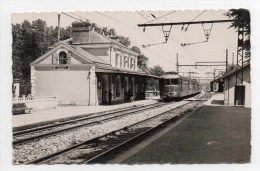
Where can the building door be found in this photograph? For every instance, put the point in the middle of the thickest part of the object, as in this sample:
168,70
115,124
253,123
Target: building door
99,90
104,89
239,95
125,89
104,92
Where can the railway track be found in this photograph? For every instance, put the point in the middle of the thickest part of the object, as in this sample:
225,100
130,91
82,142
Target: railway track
50,130
34,148
99,149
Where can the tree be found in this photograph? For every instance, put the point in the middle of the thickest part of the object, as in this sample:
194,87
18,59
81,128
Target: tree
142,60
157,70
136,49
65,33
242,20
31,40
153,84
124,40
112,32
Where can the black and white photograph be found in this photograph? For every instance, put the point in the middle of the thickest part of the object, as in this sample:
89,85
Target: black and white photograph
130,87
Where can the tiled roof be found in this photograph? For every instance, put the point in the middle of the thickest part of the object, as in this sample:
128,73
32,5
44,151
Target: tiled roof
89,55
109,67
96,38
234,70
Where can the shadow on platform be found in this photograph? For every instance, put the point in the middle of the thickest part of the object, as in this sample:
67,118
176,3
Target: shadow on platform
219,102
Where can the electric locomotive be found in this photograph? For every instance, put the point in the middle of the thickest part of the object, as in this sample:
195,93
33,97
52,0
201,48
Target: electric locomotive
174,86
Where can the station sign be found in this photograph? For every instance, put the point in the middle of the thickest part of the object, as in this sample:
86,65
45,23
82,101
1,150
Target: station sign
61,67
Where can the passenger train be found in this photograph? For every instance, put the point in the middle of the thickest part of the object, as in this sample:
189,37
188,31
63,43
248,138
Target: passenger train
173,86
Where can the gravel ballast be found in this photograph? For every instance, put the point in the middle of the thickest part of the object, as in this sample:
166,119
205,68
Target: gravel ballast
26,152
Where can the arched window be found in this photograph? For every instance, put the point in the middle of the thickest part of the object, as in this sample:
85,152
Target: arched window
63,58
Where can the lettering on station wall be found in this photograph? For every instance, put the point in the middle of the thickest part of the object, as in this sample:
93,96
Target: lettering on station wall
61,67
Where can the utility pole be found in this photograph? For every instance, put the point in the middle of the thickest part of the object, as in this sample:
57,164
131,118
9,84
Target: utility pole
177,63
239,87
226,59
58,27
240,57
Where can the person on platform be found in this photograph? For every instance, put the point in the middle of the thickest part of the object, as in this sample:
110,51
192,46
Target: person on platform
110,96
131,95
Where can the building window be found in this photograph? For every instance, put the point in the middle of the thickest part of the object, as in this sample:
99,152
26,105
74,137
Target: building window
134,64
125,62
117,58
174,82
121,61
128,62
63,58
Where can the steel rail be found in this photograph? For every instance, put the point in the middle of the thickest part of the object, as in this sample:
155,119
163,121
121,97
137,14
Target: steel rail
101,158
89,116
56,154
51,133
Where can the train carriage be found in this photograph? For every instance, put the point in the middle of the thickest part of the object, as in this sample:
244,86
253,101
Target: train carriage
173,86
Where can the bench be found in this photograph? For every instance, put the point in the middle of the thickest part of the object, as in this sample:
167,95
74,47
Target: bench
20,108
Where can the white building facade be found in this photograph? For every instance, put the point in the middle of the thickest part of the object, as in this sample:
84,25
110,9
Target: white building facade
83,69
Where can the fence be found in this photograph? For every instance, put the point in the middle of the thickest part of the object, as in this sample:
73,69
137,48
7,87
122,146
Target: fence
37,103
150,93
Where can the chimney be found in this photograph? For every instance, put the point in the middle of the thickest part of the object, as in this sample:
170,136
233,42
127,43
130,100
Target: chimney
80,32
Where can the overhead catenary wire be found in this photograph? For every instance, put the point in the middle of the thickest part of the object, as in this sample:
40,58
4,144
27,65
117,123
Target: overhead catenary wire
136,30
72,17
123,24
185,44
198,15
117,22
79,16
111,19
178,43
149,36
161,17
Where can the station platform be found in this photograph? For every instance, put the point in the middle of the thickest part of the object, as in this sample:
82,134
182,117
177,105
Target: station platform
38,118
213,134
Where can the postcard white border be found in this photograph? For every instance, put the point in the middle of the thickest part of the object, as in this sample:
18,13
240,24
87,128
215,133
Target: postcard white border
10,6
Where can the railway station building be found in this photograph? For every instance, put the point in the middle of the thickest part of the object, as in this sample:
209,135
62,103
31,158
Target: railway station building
83,70
217,85
238,95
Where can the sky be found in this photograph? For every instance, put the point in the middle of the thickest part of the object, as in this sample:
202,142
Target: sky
125,23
